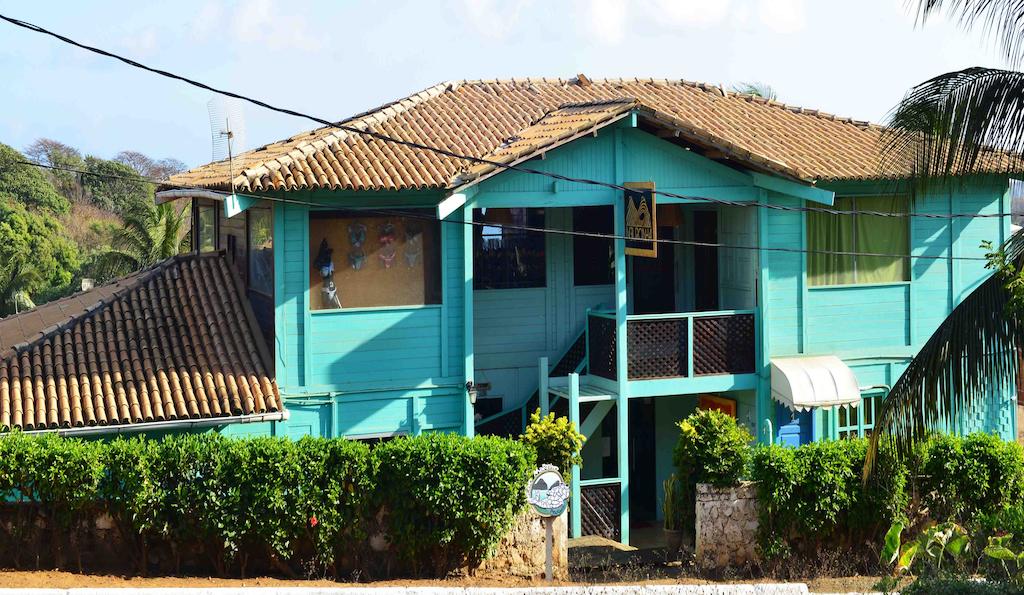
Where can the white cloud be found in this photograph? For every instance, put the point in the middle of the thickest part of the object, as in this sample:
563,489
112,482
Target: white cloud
688,13
141,43
208,19
606,20
494,19
783,16
274,24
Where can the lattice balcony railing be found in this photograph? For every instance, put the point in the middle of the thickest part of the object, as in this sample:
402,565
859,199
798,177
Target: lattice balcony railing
675,345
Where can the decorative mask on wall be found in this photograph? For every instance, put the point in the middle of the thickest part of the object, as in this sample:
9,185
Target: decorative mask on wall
356,234
357,258
413,244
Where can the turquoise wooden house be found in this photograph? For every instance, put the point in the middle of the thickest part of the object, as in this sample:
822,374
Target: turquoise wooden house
401,291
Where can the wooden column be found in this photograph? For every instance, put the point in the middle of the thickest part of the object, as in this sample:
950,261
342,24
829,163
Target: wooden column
622,365
574,417
467,300
542,386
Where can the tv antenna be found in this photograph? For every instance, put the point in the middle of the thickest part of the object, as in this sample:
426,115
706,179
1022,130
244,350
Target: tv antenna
227,131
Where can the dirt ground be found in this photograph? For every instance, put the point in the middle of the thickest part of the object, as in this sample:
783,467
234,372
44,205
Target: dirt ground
65,580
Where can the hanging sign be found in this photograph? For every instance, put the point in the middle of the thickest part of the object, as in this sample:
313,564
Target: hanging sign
641,223
548,493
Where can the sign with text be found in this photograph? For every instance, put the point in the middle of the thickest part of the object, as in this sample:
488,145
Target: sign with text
641,223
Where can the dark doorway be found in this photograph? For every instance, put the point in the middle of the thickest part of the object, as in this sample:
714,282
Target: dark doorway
705,261
642,495
654,279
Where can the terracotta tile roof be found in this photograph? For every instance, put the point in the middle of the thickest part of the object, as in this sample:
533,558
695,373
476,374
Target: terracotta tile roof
174,342
479,117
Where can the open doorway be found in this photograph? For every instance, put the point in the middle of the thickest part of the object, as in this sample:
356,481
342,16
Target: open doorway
654,279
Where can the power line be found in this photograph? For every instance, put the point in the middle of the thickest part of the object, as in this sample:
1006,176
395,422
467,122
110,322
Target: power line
526,228
473,159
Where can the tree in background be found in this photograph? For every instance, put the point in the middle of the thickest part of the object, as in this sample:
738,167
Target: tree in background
26,184
36,257
154,169
57,154
115,186
149,235
757,89
942,130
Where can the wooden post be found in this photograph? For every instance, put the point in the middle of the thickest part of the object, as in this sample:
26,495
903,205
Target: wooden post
576,517
549,546
467,300
542,386
621,359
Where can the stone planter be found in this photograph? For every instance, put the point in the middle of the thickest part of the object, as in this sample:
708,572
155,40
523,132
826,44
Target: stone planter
727,522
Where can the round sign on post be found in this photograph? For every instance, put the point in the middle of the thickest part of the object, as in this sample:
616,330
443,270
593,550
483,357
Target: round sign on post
548,494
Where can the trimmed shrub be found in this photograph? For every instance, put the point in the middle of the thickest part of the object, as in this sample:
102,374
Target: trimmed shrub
300,508
556,441
961,478
813,495
712,448
448,499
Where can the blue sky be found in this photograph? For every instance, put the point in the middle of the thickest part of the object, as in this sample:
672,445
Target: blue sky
335,59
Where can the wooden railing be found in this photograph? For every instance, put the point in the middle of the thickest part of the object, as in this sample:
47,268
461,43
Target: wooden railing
677,345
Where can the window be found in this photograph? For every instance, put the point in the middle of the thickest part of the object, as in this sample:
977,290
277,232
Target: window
206,227
859,233
260,245
593,259
361,261
856,423
506,258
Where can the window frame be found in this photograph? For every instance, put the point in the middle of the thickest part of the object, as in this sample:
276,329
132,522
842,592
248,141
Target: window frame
249,250
196,239
907,269
395,212
858,427
477,240
610,230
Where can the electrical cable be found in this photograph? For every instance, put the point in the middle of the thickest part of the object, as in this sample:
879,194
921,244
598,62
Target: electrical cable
525,228
472,159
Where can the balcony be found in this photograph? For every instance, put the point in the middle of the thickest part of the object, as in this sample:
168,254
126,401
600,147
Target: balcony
674,346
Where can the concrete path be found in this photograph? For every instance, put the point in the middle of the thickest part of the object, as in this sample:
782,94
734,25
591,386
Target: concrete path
739,589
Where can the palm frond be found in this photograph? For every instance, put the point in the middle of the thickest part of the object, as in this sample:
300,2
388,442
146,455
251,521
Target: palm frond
117,263
973,352
757,89
1002,18
949,125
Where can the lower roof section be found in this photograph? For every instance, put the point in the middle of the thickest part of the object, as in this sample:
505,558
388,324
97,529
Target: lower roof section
176,342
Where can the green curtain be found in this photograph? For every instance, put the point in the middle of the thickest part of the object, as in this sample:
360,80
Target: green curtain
882,235
833,233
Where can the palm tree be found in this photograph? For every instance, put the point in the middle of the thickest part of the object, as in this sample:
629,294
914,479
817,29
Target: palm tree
17,275
147,237
757,89
947,127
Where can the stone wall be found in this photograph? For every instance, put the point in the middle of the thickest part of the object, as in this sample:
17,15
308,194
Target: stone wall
726,525
521,552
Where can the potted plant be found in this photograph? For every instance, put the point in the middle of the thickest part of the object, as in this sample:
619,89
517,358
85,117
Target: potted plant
672,509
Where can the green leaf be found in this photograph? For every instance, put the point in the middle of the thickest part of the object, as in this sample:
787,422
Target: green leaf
907,556
891,545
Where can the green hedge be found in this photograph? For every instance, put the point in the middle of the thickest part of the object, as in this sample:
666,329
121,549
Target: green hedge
962,478
813,495
300,507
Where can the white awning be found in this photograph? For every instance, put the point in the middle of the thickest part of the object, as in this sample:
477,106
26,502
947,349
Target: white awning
802,383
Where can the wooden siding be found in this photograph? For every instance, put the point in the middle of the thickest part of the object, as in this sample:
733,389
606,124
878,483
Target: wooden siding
876,329
372,371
